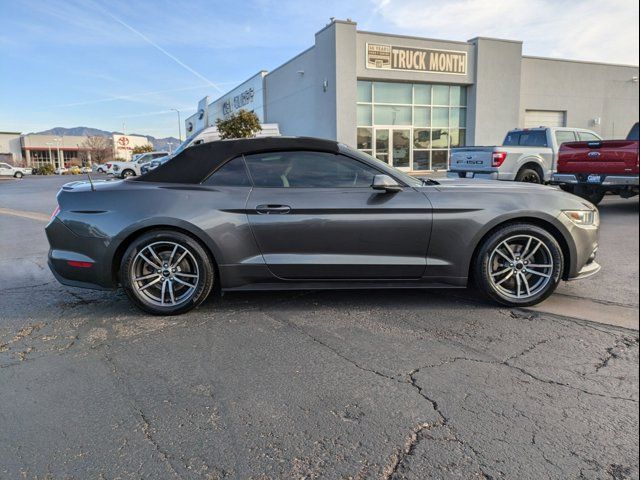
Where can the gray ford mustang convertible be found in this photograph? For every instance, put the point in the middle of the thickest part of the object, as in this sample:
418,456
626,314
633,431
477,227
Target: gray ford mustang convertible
304,213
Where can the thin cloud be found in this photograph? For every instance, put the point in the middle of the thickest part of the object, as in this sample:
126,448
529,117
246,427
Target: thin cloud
584,30
132,96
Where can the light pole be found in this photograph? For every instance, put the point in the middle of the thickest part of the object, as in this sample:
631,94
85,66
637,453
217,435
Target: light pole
179,124
57,140
50,157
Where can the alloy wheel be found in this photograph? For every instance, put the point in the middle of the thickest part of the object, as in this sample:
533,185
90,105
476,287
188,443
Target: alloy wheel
165,274
520,267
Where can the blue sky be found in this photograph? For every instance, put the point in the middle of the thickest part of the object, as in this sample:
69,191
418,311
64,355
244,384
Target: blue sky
103,63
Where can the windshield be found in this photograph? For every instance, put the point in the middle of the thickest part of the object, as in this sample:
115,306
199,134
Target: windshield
184,145
526,138
633,134
409,180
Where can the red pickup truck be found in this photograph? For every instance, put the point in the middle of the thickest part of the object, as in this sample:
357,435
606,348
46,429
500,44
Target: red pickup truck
592,169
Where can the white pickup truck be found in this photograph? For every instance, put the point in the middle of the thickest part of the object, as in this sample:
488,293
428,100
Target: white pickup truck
132,168
526,155
11,171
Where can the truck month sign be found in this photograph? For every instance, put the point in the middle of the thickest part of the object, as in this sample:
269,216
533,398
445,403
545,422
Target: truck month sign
391,57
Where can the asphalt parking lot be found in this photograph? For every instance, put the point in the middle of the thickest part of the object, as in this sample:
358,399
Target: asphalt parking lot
353,385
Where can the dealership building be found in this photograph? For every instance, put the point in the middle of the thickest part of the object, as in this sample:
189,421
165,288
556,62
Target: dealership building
409,100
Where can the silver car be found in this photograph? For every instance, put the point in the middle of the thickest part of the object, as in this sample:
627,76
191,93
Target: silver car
287,213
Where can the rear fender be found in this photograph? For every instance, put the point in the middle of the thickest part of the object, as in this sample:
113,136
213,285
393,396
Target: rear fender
119,243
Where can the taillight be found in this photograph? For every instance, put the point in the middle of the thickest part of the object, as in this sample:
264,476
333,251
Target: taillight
55,212
498,158
108,165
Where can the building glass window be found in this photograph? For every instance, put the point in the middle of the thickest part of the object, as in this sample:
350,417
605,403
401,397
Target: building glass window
364,91
411,126
386,92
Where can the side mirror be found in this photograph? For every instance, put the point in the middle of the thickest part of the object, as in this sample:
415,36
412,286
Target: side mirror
386,183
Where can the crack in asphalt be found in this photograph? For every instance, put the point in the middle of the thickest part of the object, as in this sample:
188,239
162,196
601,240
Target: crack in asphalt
146,425
621,344
418,433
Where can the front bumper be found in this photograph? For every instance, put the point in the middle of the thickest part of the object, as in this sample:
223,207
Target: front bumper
587,271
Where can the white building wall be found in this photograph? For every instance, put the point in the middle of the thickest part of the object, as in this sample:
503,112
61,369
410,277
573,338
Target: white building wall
597,96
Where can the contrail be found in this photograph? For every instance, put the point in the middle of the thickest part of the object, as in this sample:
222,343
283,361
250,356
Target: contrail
158,47
126,97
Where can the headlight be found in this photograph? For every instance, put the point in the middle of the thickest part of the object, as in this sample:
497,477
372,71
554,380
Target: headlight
583,218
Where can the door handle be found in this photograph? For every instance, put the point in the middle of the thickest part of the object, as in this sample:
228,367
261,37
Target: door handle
273,209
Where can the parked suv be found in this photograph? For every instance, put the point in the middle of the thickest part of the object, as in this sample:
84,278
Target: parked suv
526,155
132,168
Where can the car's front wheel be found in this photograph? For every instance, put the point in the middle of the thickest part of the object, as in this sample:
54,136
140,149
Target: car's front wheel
128,173
166,273
18,175
519,265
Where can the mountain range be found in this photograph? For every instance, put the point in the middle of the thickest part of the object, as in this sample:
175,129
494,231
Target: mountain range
160,144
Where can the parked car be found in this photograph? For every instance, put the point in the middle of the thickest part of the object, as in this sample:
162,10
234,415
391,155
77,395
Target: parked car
303,213
526,155
60,170
132,168
102,168
153,164
592,169
7,170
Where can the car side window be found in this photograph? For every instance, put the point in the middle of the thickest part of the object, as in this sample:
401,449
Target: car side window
4,165
564,136
231,174
301,169
588,137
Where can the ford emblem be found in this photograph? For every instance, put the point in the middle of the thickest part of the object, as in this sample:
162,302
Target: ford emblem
594,154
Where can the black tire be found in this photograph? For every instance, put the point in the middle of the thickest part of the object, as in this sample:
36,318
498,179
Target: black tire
529,175
128,173
201,263
592,194
17,175
485,265
100,170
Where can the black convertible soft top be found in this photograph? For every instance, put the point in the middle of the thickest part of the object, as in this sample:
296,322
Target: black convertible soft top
196,163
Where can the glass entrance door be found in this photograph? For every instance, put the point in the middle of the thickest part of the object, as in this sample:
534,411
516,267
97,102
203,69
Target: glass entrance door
393,146
401,149
382,144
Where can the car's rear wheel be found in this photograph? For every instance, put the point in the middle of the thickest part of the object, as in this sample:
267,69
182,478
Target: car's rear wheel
166,272
128,173
18,175
528,175
519,265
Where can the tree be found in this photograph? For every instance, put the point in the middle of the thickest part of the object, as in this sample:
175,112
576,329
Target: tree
242,124
141,149
96,149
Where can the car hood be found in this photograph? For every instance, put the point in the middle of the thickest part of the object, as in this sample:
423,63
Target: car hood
492,185
463,185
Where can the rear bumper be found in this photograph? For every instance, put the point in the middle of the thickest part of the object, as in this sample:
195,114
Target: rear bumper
78,261
483,174
605,180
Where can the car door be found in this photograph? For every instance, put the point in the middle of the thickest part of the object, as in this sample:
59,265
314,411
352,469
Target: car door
315,216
